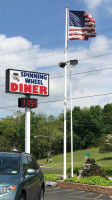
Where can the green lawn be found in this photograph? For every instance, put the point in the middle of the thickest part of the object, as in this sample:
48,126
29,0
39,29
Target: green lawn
104,159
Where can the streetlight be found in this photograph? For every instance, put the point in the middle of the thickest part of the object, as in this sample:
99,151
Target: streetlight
62,65
72,63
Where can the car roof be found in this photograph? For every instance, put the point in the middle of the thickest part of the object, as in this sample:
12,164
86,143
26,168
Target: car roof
12,153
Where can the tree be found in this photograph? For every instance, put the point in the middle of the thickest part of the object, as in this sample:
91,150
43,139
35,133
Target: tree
87,127
7,133
39,132
107,113
89,124
106,143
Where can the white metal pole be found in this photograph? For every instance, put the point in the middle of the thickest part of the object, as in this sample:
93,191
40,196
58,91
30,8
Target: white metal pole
71,125
65,97
27,129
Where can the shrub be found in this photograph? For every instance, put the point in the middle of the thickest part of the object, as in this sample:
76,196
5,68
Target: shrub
75,169
107,171
105,143
52,177
74,180
93,180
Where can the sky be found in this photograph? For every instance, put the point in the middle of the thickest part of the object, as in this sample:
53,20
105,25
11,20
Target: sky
32,37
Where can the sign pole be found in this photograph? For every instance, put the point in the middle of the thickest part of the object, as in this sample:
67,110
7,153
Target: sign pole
27,128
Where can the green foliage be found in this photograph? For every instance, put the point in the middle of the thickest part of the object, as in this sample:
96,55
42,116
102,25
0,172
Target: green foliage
51,177
107,114
89,125
107,171
46,134
75,169
94,180
7,133
105,143
74,180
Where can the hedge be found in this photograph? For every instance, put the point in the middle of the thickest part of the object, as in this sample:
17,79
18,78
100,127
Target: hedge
93,180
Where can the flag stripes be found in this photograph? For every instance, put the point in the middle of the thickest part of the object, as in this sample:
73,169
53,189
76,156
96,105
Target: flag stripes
81,25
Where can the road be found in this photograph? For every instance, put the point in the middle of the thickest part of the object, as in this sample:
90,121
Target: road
56,193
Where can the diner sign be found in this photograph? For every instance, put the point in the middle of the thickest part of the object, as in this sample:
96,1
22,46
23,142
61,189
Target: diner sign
27,82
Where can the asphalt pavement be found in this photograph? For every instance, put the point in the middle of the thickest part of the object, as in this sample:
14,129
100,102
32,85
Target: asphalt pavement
56,193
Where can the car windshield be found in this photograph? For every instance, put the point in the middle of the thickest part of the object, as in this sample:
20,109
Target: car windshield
9,165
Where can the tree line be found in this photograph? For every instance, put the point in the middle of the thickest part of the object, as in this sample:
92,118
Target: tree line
90,127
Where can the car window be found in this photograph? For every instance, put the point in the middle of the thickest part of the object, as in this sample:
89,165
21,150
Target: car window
32,163
25,165
9,165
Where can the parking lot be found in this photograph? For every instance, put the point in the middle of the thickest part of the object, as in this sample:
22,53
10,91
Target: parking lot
54,193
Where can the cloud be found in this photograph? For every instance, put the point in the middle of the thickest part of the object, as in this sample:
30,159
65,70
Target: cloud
100,44
94,5
19,53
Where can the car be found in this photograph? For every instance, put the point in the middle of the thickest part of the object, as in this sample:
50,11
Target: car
20,177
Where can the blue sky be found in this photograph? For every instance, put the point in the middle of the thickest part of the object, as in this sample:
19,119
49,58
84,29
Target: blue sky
43,22
35,30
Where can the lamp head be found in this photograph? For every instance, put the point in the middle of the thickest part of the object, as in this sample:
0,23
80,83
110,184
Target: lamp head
73,62
62,64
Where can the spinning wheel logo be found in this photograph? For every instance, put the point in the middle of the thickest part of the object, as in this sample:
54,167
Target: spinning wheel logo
16,76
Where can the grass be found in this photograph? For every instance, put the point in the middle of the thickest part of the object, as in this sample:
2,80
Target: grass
104,159
46,171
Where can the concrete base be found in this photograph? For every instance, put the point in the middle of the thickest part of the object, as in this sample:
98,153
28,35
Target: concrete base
50,183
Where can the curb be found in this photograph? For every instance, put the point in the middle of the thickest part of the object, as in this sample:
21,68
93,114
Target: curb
107,190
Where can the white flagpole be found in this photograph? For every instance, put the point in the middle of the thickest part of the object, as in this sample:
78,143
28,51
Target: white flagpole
65,97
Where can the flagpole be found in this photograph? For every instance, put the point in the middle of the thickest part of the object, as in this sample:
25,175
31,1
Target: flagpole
65,96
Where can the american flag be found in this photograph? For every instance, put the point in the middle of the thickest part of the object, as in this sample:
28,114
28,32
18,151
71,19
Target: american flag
81,25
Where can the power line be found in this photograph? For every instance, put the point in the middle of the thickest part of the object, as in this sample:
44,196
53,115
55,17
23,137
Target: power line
78,73
19,51
35,46
30,48
83,49
50,54
60,100
57,65
91,71
75,98
7,107
95,56
29,59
